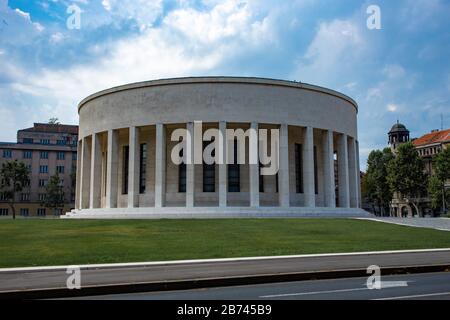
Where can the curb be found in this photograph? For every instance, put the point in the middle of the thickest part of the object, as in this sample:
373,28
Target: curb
52,293
200,261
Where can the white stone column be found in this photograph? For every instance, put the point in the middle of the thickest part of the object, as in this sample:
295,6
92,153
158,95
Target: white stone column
133,166
96,172
78,177
223,166
283,172
344,199
328,169
308,167
85,173
254,165
190,166
358,185
352,173
160,166
112,165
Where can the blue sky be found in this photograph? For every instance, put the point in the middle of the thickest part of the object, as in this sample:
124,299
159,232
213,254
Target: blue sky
401,71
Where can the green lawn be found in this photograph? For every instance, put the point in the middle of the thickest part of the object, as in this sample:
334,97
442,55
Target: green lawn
37,242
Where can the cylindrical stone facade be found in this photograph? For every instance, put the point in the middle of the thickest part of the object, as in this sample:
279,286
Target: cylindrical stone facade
125,166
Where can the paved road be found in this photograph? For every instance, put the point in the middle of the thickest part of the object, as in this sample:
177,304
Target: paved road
13,281
432,223
414,286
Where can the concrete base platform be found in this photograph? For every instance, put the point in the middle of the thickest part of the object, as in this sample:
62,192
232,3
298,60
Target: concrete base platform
215,212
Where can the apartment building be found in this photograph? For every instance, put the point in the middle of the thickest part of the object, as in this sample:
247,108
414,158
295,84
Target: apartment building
46,149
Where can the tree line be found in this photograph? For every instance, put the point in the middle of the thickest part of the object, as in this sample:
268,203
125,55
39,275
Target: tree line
403,174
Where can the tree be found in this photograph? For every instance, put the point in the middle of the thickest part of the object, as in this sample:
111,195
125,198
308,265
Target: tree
441,174
406,175
435,192
53,121
14,176
54,193
375,184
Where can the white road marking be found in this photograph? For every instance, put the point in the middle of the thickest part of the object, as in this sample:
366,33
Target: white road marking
384,285
416,296
311,293
394,284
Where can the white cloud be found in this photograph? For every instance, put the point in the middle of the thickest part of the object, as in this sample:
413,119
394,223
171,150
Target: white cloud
56,37
144,12
334,49
373,93
423,14
393,71
155,53
228,19
39,27
23,14
16,26
106,5
391,107
7,126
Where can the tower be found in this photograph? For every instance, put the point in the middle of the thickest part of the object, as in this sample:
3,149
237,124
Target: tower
398,135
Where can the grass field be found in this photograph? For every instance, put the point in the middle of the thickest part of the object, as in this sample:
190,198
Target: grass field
37,242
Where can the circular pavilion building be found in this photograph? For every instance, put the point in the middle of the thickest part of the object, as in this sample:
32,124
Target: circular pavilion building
127,140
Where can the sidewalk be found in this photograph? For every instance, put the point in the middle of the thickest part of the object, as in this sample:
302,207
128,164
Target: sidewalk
442,224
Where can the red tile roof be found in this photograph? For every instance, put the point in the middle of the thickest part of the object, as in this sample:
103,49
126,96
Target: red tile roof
433,137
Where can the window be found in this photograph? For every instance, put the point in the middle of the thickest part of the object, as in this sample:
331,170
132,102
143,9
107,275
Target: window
276,182
42,182
60,142
60,155
182,175
43,169
7,153
74,156
24,212
41,196
60,169
142,167
234,183
3,196
29,167
298,168
44,154
261,178
41,212
24,196
27,154
125,163
3,211
316,180
57,212
209,172
28,140
45,141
